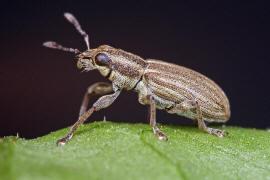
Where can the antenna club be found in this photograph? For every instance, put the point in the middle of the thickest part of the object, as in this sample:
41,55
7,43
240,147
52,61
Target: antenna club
50,44
77,25
68,16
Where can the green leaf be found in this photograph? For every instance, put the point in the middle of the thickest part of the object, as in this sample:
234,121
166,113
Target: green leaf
106,150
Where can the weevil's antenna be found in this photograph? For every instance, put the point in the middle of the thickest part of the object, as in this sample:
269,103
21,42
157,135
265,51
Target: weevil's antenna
77,25
54,45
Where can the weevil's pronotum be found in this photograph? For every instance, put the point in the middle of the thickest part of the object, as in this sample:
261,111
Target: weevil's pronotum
170,87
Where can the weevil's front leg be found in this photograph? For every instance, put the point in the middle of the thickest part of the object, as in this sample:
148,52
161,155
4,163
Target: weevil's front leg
99,88
152,116
187,105
101,103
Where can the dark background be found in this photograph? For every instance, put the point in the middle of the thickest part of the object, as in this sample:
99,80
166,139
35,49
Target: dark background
41,89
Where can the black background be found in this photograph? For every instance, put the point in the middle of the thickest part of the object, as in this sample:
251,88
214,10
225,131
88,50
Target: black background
41,89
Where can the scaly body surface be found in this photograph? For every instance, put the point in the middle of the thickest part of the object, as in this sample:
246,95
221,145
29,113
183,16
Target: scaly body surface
170,87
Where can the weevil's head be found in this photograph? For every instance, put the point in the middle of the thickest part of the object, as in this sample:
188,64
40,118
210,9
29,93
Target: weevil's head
97,58
121,67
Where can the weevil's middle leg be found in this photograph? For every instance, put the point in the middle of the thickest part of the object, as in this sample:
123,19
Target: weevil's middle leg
101,103
187,105
152,116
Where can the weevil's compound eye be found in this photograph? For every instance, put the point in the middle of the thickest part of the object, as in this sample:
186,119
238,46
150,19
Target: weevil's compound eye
102,60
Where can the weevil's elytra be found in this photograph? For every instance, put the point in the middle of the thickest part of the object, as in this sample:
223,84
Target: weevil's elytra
166,86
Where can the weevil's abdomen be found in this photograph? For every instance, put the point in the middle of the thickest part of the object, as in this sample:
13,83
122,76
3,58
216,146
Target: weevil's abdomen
173,83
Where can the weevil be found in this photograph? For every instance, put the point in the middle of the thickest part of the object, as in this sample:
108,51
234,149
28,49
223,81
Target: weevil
160,85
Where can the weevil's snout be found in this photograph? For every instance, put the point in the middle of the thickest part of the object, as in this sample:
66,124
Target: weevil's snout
85,63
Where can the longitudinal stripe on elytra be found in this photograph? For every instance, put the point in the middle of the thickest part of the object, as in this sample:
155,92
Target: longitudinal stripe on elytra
190,83
186,73
178,82
178,89
168,94
205,84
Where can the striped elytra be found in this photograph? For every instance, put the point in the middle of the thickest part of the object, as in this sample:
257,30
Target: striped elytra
177,83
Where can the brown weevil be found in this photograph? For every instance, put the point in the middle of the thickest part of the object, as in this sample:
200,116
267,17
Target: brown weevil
170,87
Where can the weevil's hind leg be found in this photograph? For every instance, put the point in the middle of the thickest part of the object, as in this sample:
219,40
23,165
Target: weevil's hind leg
187,105
101,103
152,116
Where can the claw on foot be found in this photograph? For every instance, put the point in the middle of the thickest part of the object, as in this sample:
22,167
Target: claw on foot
161,135
61,142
